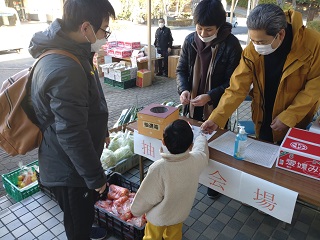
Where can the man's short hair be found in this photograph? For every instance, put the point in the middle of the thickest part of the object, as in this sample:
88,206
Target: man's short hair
162,20
209,13
268,17
75,12
178,136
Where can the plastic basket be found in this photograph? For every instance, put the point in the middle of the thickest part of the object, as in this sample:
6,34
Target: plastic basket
114,224
10,181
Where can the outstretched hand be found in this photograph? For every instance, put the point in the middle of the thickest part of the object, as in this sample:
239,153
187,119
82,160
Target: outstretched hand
185,97
209,126
200,100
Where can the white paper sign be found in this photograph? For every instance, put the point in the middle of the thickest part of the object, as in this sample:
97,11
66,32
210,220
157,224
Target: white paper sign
221,178
150,147
147,146
270,198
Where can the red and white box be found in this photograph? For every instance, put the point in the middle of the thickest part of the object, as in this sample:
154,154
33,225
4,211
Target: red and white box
120,44
300,153
132,45
122,52
111,52
111,44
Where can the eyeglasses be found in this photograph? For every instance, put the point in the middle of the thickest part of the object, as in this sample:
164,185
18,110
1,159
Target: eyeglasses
107,32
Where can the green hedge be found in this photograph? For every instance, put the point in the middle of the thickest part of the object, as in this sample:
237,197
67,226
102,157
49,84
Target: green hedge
180,22
315,25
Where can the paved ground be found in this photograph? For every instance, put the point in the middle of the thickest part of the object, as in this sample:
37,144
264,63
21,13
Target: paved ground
39,217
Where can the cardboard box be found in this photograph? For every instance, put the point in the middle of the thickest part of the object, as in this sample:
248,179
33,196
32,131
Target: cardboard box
300,153
125,74
122,52
110,52
107,59
143,78
111,44
132,45
154,118
120,44
172,65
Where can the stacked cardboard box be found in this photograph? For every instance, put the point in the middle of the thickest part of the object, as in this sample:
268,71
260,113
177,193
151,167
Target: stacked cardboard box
132,45
120,49
120,72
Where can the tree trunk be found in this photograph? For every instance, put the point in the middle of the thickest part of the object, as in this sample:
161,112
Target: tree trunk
294,4
311,12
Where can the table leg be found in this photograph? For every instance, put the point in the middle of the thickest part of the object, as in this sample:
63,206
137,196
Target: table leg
141,168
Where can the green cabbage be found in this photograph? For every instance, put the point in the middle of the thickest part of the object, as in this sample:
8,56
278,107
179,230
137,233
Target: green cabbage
123,152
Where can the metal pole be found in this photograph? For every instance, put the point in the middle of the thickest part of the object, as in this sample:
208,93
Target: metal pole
149,36
231,11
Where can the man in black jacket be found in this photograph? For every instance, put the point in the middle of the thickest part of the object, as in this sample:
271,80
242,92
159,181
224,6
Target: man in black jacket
69,96
163,43
207,60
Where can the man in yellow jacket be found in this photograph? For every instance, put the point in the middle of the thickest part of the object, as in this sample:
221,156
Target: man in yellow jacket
279,69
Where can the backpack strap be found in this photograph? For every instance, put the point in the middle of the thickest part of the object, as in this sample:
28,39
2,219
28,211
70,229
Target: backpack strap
60,52
47,123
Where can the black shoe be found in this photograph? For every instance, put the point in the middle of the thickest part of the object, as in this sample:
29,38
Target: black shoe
98,233
159,74
213,194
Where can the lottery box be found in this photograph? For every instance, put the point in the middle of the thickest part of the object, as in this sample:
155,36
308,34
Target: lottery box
154,118
300,153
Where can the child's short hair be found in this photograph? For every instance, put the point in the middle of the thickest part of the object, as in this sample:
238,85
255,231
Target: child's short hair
178,136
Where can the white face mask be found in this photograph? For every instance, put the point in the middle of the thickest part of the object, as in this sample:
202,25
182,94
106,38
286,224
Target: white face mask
265,49
161,25
207,39
95,47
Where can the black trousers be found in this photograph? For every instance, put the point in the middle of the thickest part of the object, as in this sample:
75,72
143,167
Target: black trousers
77,204
163,68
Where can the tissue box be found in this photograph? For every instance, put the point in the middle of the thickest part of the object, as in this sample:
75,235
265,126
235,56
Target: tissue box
154,118
300,153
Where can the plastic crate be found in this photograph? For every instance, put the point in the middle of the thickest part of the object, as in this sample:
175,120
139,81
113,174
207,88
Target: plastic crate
108,81
10,181
123,85
114,224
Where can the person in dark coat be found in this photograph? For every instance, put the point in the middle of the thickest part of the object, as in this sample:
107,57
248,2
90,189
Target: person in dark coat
163,43
69,97
207,60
